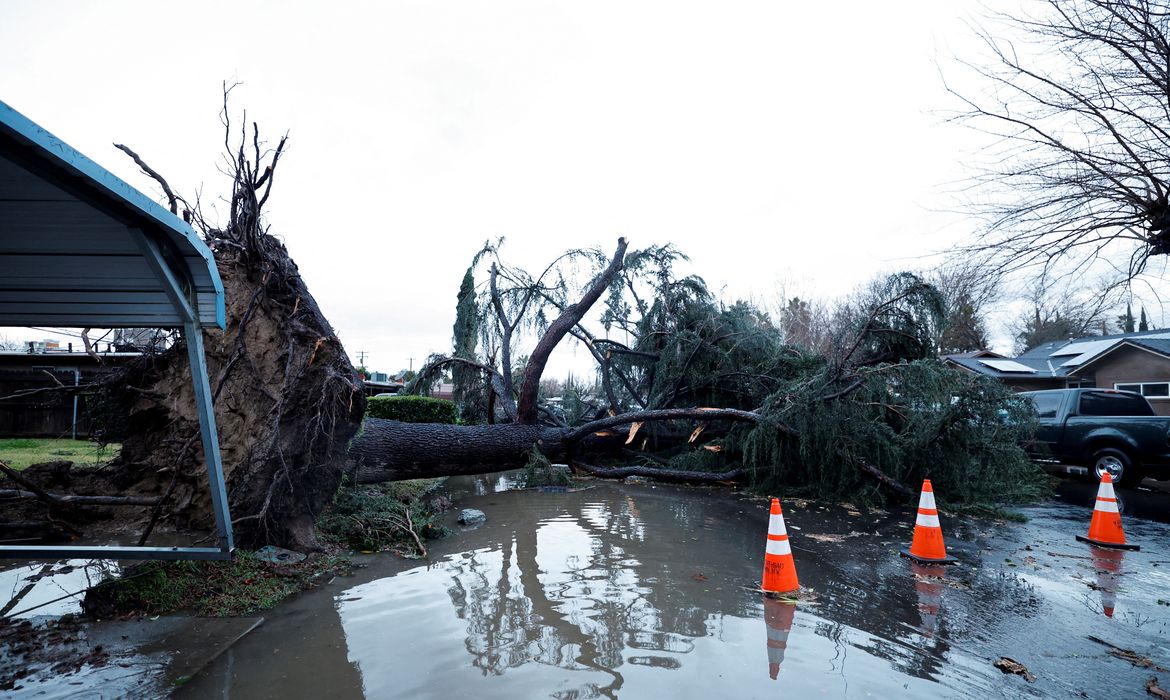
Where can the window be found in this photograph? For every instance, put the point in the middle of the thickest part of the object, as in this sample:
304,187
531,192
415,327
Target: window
1047,403
1157,390
1107,403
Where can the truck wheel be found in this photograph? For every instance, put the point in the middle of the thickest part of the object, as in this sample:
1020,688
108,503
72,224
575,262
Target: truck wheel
1119,465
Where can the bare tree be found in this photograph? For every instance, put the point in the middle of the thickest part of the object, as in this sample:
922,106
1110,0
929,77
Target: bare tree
1064,309
968,291
1076,96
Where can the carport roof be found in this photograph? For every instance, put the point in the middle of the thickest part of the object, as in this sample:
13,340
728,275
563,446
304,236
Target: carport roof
80,247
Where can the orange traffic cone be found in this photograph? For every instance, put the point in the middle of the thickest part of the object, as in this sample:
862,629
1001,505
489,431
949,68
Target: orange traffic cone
778,619
779,567
928,546
1107,564
1105,527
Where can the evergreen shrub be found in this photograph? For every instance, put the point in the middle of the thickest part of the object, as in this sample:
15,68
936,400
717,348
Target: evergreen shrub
412,409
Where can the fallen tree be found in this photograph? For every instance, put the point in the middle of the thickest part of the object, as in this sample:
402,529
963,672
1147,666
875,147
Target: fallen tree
709,394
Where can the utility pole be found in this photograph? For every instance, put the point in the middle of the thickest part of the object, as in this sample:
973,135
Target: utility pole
362,357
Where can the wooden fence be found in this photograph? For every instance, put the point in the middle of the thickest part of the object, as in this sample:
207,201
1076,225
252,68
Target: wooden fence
45,413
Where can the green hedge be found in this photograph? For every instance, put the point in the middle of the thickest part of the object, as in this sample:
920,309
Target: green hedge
411,409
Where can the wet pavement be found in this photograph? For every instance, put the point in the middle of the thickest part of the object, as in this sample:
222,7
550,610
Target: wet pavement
633,591
637,590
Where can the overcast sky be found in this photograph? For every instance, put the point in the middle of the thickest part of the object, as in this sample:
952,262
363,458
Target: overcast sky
783,146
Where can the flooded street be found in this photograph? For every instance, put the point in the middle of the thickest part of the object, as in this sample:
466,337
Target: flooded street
632,591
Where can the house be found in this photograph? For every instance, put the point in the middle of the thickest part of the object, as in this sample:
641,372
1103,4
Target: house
1128,361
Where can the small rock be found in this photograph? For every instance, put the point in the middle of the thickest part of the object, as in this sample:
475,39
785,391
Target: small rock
472,517
277,555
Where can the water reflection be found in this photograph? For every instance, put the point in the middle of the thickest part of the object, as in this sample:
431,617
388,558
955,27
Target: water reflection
616,588
778,618
928,584
1107,564
636,591
49,588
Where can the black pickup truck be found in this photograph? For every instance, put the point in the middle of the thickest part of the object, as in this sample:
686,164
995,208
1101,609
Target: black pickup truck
1105,430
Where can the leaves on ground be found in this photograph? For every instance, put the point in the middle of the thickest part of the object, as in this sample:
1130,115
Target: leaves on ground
1008,665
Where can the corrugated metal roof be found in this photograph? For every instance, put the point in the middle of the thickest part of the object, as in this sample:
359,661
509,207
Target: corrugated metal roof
80,247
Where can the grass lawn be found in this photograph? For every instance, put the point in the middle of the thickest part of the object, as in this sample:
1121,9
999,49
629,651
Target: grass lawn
21,452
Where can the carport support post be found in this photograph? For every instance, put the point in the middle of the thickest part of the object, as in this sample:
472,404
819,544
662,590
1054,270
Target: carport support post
208,433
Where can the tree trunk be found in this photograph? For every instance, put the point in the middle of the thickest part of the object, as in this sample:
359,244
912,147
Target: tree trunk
390,451
557,330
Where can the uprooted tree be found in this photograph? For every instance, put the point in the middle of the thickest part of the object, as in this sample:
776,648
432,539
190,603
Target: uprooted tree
286,398
704,392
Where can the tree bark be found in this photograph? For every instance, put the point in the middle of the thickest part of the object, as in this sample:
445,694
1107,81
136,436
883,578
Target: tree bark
662,474
389,450
68,499
530,388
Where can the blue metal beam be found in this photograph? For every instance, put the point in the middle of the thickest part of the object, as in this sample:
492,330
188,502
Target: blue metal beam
210,437
203,403
179,294
114,552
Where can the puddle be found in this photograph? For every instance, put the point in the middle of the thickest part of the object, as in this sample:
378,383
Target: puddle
636,591
615,591
36,589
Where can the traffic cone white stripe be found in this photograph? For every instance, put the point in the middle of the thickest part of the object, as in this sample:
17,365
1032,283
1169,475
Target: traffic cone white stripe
928,544
927,520
1105,528
779,547
1107,505
778,636
776,525
779,566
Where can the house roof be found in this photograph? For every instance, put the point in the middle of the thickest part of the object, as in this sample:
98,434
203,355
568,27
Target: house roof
973,353
1157,346
80,247
1064,358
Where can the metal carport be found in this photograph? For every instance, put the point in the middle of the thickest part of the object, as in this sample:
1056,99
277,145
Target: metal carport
81,248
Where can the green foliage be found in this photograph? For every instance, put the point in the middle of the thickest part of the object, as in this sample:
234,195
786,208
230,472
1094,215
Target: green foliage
380,516
699,460
411,409
965,330
900,319
912,421
469,394
538,471
1125,322
241,586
